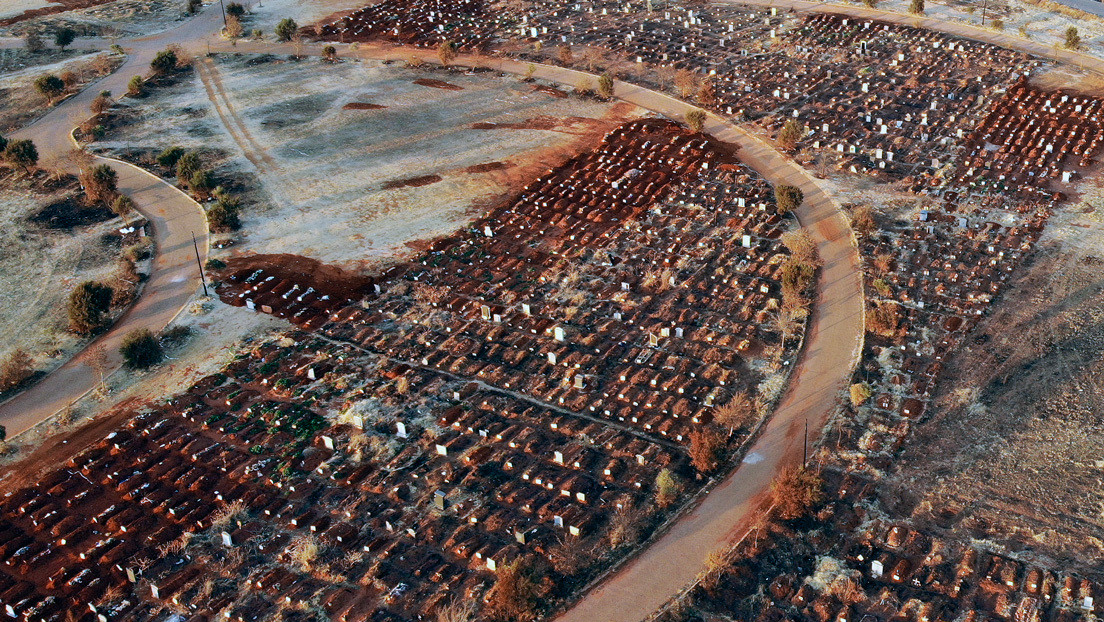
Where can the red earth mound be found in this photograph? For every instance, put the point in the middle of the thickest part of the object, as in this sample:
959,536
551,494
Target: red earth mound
438,84
413,182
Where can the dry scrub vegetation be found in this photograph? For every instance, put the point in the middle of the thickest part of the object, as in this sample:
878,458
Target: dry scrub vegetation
1014,449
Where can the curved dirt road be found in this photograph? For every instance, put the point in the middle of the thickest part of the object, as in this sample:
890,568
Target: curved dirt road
173,218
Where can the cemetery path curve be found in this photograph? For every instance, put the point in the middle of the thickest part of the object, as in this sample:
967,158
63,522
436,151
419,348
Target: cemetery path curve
173,218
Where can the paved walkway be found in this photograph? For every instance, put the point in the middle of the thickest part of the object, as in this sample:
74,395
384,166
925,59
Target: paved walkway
173,217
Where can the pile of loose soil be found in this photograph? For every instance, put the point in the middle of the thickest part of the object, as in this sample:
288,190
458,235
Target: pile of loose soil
438,84
330,280
413,182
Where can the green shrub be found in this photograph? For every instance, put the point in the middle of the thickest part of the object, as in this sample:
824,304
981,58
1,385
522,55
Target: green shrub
170,156
50,86
222,217
187,165
136,87
286,29
88,306
21,152
122,205
141,349
64,36
164,62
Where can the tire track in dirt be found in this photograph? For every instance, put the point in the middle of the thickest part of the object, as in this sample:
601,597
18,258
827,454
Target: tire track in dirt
216,78
230,121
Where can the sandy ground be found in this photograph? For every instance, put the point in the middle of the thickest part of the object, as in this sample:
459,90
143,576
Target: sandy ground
20,103
11,8
265,14
40,267
118,18
1035,22
328,173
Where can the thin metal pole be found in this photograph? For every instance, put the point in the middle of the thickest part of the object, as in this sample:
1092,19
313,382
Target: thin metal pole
805,452
200,264
223,6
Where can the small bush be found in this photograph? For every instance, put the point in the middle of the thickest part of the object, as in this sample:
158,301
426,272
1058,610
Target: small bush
88,306
136,87
164,62
695,120
235,9
100,104
605,86
667,488
100,183
214,264
706,449
796,491
122,205
202,182
791,133
584,87
193,6
860,392
222,217
998,24
21,153
286,29
50,86
187,165
1073,38
446,52
64,36
15,370
170,156
329,53
787,199
140,349
916,7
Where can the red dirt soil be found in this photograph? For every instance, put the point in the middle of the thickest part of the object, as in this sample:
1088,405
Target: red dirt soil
551,91
362,106
60,7
568,125
438,84
327,279
489,166
413,182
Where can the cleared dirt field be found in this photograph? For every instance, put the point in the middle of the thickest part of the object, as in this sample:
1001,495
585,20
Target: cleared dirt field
355,162
94,17
42,262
